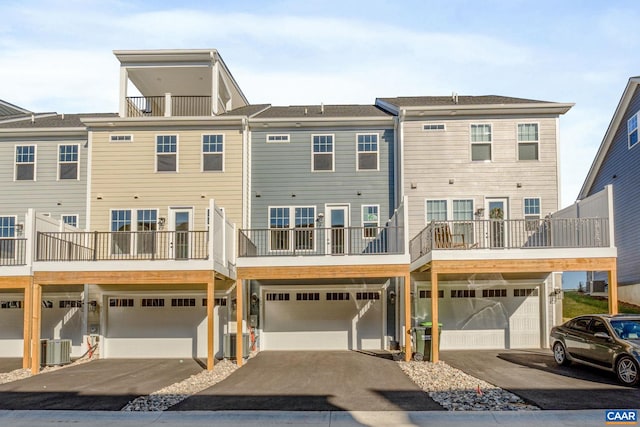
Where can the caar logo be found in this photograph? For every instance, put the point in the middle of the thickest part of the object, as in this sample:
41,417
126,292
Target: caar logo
621,416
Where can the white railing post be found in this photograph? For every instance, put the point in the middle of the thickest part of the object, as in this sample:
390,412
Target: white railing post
212,212
167,105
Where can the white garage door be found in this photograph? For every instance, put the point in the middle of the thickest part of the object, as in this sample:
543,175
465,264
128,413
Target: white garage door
493,318
11,327
157,327
322,320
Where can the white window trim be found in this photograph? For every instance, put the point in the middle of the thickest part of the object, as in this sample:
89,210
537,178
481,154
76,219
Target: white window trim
449,205
35,161
333,152
362,221
292,225
524,214
637,116
358,152
121,141
471,142
15,225
155,152
58,163
269,135
202,153
518,142
444,127
134,225
74,215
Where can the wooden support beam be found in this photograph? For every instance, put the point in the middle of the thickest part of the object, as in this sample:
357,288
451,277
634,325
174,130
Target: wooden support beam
613,288
15,282
26,332
408,350
520,265
210,322
323,271
435,331
150,277
239,318
36,321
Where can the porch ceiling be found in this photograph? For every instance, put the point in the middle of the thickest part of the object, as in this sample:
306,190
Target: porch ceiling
190,80
322,282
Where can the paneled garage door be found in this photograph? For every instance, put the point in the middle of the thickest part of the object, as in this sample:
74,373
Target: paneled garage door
322,320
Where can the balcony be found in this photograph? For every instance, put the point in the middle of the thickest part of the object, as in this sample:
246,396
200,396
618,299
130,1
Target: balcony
168,106
312,241
122,245
529,234
13,251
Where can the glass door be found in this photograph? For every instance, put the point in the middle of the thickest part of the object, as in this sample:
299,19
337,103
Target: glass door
338,239
496,210
180,227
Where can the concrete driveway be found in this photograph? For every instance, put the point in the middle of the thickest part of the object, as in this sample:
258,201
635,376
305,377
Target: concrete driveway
104,385
534,376
8,364
314,381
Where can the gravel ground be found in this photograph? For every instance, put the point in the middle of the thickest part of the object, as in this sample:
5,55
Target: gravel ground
15,375
164,398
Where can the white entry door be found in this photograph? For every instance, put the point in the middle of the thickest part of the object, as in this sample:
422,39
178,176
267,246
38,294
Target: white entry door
338,233
180,224
497,213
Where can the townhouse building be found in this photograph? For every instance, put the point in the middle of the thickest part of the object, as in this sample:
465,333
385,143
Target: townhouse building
210,226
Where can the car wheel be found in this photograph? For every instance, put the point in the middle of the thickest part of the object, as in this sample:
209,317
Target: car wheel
560,354
627,371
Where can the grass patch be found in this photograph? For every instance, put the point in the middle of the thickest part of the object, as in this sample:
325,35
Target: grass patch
576,304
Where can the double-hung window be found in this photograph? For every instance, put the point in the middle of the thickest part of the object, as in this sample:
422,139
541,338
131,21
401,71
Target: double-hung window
370,221
367,152
436,210
480,142
213,153
322,153
121,232
167,153
528,141
280,224
532,213
632,130
68,161
25,163
7,242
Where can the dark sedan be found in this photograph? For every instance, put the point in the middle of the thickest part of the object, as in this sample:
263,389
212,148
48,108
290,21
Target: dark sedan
601,341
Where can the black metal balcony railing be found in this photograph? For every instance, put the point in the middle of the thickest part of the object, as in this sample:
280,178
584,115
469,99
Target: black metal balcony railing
511,234
321,241
122,245
156,106
13,251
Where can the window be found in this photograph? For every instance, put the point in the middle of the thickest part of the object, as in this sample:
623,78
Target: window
25,163
47,304
10,304
598,326
70,304
152,302
183,302
121,232
7,234
433,127
463,225
463,293
147,225
277,297
370,221
322,153
494,293
481,142
528,141
222,302
532,213
120,138
367,152
213,153
120,302
632,130
337,296
529,292
580,324
308,296
436,210
278,139
367,296
71,220
166,153
280,225
305,223
68,161
427,294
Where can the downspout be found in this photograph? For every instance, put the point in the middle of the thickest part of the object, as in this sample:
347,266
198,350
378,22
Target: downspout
246,175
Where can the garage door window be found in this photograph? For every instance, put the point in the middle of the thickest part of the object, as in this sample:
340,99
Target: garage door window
427,294
529,292
70,304
120,302
337,296
463,293
277,297
152,302
183,302
10,304
308,296
217,301
367,295
494,293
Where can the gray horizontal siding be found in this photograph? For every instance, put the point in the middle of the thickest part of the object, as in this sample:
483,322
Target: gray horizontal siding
46,194
622,162
280,170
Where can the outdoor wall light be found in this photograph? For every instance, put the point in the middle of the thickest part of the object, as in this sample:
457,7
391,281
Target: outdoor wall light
519,185
254,299
392,297
258,194
414,185
452,181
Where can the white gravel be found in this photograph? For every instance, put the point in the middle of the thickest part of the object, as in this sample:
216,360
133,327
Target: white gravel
15,375
164,398
458,391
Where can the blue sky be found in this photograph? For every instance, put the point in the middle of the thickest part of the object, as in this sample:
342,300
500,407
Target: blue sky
56,55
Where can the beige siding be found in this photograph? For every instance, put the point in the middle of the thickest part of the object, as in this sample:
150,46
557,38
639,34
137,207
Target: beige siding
432,158
123,170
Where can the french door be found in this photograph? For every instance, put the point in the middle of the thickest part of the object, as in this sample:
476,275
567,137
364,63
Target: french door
338,233
180,224
497,213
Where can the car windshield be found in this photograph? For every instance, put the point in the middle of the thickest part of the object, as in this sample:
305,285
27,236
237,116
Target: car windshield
627,329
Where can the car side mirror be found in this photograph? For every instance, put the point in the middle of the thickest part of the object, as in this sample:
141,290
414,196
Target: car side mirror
602,335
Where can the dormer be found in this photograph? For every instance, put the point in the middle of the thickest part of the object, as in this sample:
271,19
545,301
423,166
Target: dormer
172,83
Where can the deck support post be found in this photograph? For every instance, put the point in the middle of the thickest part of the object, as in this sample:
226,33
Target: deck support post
239,318
408,351
211,285
36,321
435,330
613,288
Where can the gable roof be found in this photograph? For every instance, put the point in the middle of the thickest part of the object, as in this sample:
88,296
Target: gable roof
51,120
10,110
247,110
419,101
609,136
322,111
